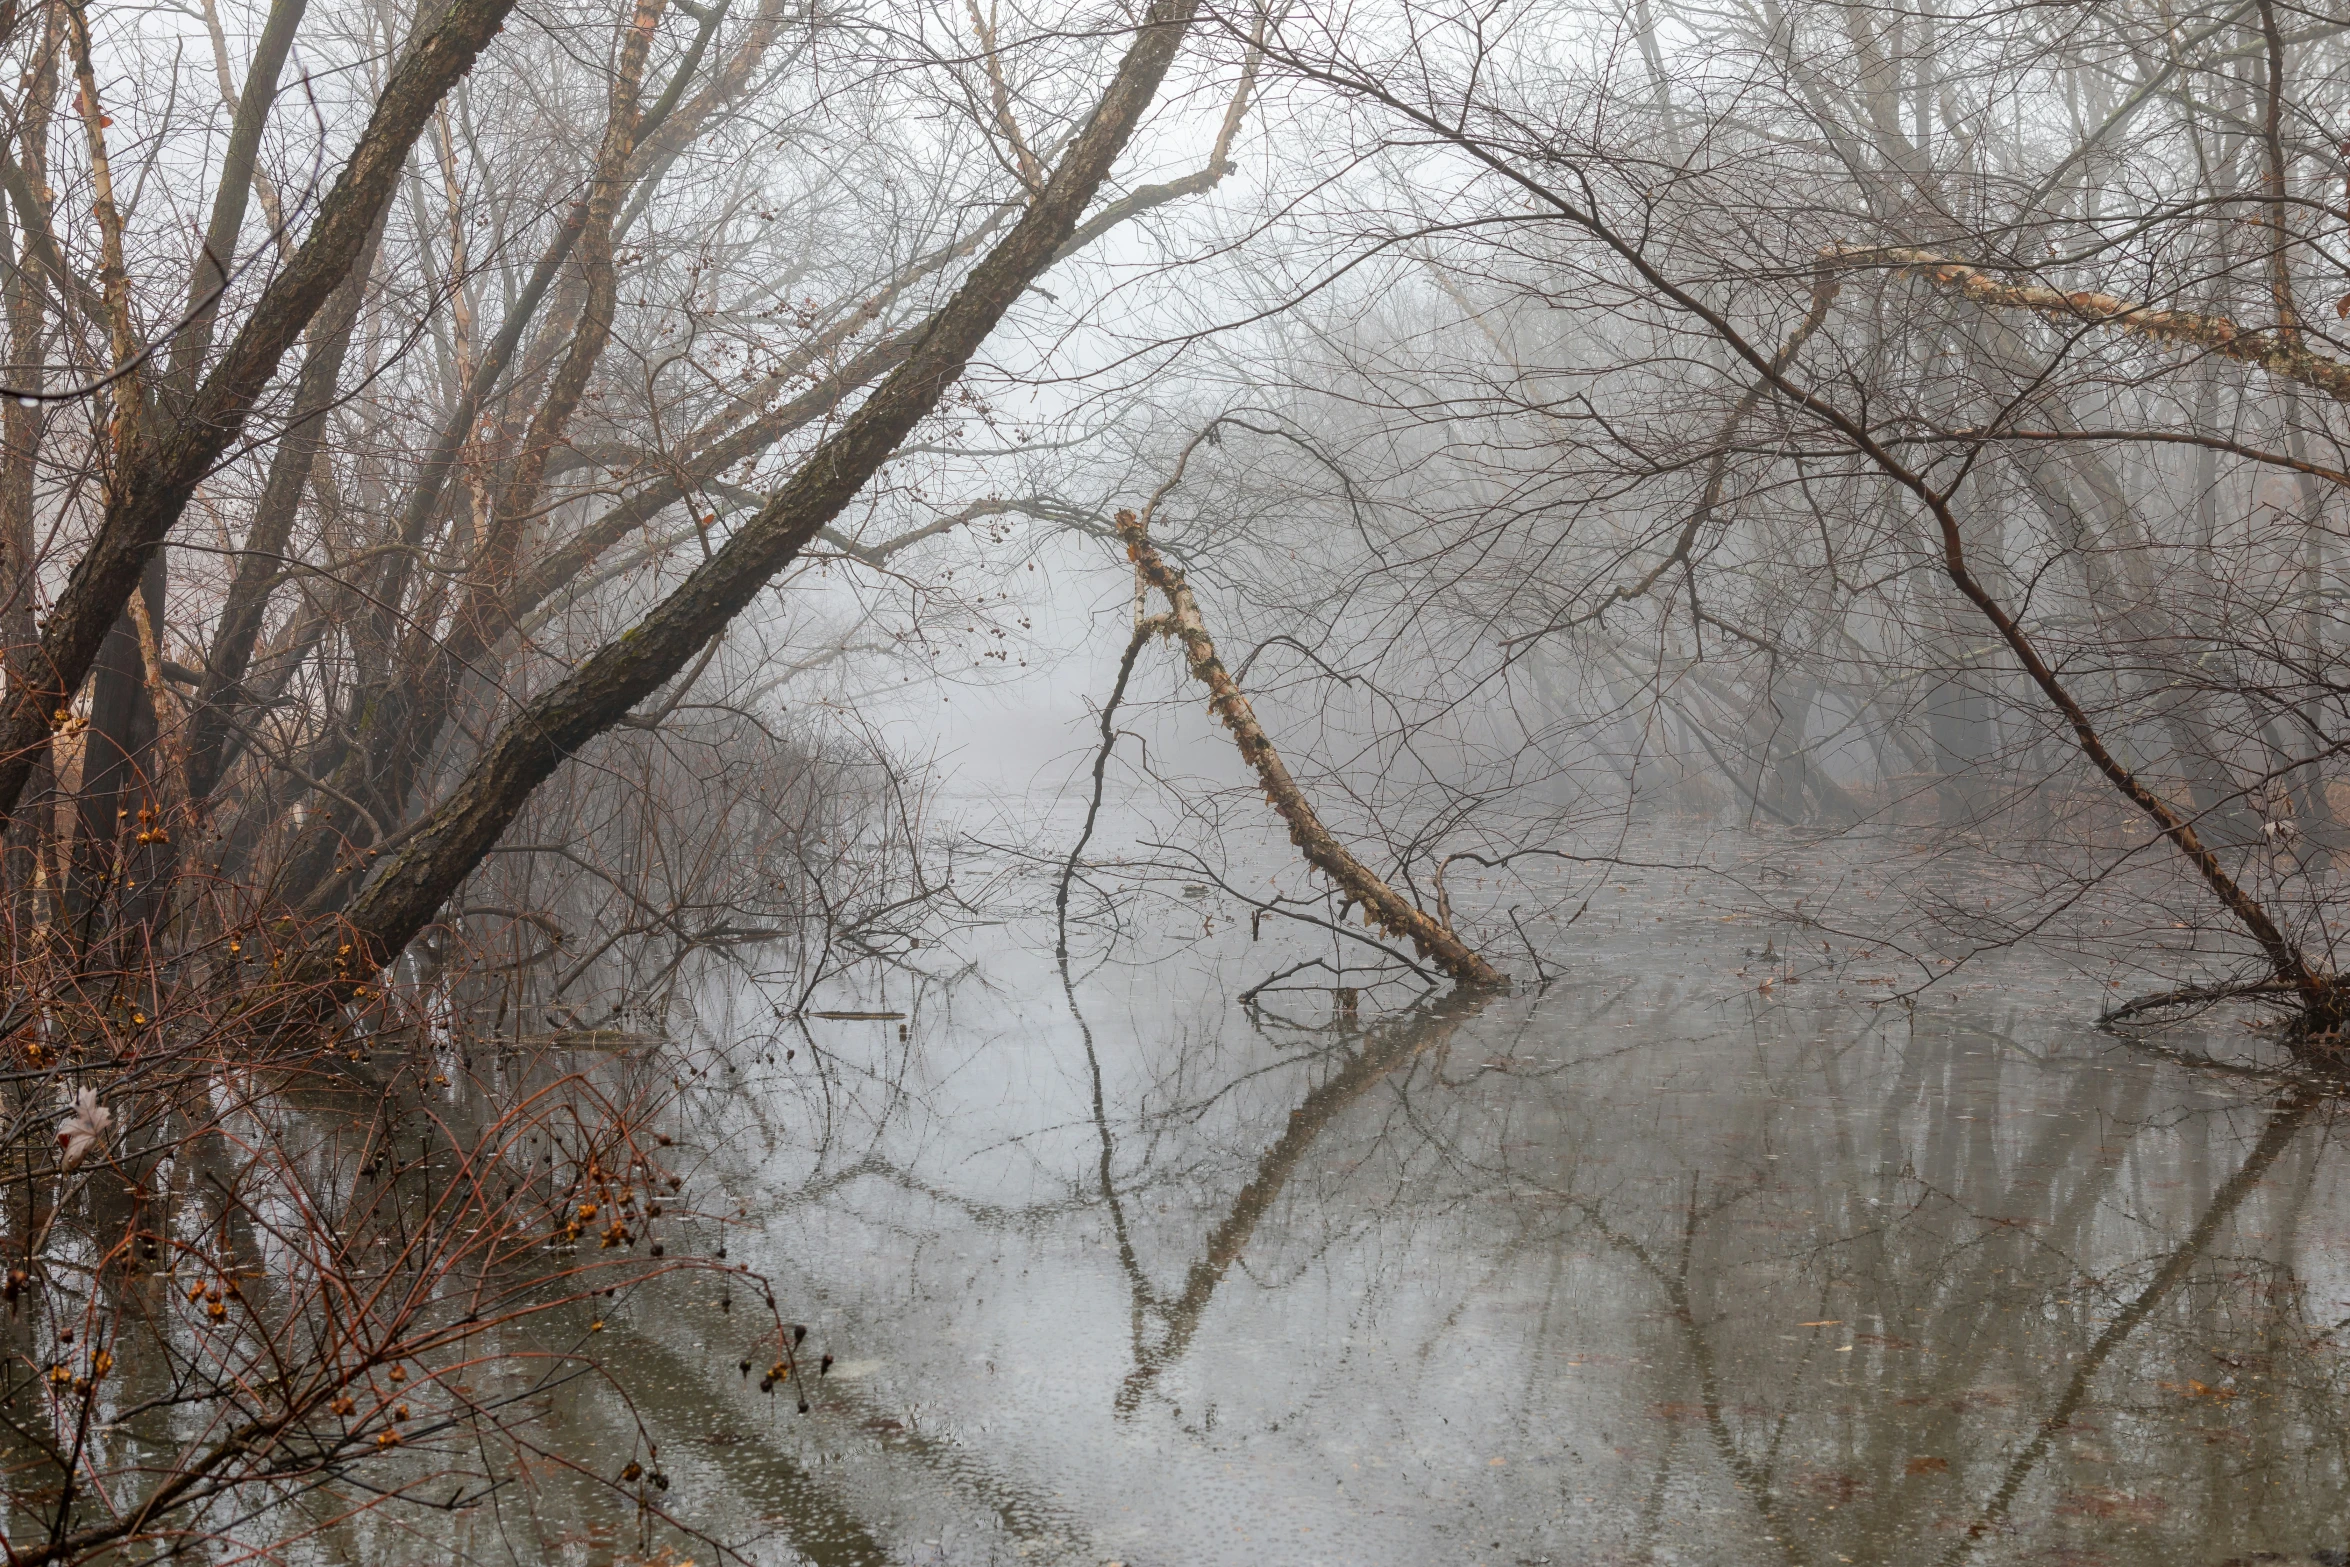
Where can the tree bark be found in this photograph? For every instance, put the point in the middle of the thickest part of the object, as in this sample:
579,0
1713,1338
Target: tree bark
262,561
115,746
237,164
445,847
2278,352
2323,1000
145,501
1383,906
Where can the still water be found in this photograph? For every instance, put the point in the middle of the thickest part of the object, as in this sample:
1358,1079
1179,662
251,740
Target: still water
1646,1265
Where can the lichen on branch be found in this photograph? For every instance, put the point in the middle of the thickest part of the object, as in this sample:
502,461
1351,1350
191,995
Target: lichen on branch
1383,907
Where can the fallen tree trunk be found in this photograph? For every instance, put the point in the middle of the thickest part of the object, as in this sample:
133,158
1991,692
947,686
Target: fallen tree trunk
1383,906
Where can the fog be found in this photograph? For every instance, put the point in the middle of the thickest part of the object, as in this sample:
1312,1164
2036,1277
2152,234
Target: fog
552,555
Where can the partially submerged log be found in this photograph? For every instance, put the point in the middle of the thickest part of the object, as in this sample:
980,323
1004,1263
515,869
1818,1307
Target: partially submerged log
1384,908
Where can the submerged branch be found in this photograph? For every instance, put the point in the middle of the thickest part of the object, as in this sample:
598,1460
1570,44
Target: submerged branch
2194,996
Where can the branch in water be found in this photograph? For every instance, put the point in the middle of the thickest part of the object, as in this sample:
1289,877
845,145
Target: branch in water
1383,906
2195,996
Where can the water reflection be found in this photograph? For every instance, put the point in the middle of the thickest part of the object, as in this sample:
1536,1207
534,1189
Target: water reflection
1642,1269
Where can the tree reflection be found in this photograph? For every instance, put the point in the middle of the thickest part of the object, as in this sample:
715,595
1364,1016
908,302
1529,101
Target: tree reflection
1618,1273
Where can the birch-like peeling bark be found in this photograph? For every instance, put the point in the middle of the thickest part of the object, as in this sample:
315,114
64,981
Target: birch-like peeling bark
1387,909
2275,352
2324,999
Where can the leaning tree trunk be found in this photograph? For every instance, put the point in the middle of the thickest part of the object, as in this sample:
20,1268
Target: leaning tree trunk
1384,907
445,847
161,472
